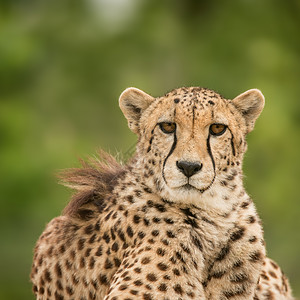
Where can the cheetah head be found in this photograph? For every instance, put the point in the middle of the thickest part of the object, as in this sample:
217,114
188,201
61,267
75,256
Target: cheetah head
192,140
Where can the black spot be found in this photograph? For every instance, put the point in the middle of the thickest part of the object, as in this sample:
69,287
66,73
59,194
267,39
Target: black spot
129,231
145,260
245,205
160,207
136,219
59,285
130,198
121,235
108,264
197,242
239,277
223,253
255,256
251,219
155,232
237,264
80,244
138,283
147,296
103,279
92,239
134,292
88,229
147,190
117,262
75,280
176,272
141,234
58,296
218,275
238,291
108,215
114,247
165,242
162,287
146,222
106,237
170,234
173,260
169,221
253,239
237,234
113,236
185,248
47,276
88,252
160,252
58,270
162,266
178,289
151,277
137,270
123,287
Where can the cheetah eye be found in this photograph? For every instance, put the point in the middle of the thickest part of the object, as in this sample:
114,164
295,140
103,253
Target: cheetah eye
167,127
217,129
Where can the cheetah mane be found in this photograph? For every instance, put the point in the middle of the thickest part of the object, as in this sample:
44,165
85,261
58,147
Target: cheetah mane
92,182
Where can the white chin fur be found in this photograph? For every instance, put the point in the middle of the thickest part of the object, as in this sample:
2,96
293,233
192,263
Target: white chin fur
209,199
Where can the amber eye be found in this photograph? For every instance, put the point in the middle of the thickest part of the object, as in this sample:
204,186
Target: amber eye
167,127
217,129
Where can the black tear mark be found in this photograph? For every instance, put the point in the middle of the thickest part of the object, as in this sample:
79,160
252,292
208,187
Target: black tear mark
151,139
231,142
170,153
210,153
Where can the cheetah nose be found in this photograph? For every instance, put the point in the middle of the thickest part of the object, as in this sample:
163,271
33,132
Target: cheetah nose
188,168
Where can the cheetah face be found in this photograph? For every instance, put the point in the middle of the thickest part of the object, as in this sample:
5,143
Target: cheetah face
190,139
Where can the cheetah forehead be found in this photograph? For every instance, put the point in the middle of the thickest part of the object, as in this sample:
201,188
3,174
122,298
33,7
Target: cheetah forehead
197,94
189,99
186,103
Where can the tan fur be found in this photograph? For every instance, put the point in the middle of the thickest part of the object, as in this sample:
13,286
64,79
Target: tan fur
153,230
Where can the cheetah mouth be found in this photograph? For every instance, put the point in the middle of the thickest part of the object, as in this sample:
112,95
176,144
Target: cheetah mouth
189,187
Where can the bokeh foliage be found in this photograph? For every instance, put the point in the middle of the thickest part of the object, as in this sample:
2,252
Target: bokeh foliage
63,65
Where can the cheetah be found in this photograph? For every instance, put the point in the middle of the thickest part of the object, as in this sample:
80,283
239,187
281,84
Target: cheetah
175,222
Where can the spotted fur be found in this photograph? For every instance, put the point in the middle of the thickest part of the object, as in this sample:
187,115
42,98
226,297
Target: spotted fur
173,223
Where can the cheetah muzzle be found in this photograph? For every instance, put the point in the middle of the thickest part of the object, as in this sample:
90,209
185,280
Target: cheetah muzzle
174,222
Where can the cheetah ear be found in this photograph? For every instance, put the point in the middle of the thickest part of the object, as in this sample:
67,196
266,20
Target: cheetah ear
250,104
133,103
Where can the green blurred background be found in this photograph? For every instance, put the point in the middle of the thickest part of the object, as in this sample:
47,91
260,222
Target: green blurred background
63,65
